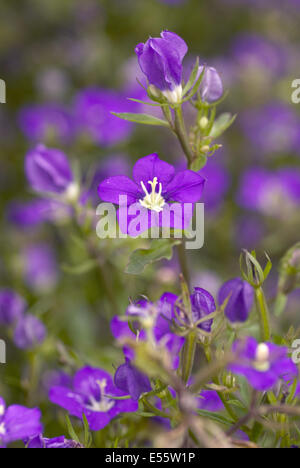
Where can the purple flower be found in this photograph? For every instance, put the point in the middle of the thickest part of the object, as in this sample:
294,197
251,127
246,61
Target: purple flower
48,170
32,214
150,194
40,442
40,267
93,109
209,400
40,122
18,423
211,87
29,332
240,297
91,393
271,193
203,304
273,129
131,381
12,307
262,364
160,60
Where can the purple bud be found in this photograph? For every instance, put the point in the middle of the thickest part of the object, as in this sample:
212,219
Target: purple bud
48,170
160,60
240,302
130,380
12,307
211,87
29,332
202,304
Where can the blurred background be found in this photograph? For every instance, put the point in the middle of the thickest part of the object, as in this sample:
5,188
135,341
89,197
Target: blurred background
67,64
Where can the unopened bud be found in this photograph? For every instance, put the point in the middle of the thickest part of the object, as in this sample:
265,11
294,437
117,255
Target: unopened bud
203,122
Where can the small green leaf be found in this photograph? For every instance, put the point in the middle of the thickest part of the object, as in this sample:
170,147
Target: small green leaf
71,430
221,124
144,119
161,248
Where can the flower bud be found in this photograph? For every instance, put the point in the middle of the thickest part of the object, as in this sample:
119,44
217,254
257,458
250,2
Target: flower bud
240,296
211,87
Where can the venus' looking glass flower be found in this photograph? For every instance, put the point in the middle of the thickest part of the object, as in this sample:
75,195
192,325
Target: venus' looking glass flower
18,423
262,364
160,60
211,87
240,296
154,187
48,170
90,395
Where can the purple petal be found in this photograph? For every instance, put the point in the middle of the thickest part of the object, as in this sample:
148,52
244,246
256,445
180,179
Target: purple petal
111,189
186,187
145,169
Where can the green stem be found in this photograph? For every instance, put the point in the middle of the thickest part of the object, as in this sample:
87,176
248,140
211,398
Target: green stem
181,133
183,263
188,356
263,310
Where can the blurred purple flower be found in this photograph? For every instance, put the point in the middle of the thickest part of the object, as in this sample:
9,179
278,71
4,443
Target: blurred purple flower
216,186
29,332
18,423
93,109
48,170
90,396
154,187
40,442
12,307
160,60
40,267
39,122
271,193
35,212
131,381
262,364
249,232
275,129
211,87
240,297
209,400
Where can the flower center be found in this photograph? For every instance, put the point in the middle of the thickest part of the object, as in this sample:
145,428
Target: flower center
153,201
2,429
2,410
262,358
104,404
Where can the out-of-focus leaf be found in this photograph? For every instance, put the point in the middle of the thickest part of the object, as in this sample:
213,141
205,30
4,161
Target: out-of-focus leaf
161,248
222,124
144,119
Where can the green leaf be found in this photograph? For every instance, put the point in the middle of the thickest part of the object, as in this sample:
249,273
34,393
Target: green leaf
222,124
161,248
87,435
195,87
71,430
145,102
192,78
144,119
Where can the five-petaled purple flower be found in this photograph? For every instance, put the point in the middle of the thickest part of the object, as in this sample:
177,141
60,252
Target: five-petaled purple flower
148,197
93,395
12,307
18,423
240,297
160,60
262,364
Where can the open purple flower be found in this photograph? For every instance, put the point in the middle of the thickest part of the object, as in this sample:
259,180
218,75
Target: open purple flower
262,364
29,332
240,297
18,423
93,111
160,60
154,187
48,170
211,87
131,381
92,389
40,442
38,122
12,307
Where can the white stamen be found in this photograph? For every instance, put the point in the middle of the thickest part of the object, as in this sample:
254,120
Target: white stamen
262,357
72,192
2,410
175,96
154,200
105,404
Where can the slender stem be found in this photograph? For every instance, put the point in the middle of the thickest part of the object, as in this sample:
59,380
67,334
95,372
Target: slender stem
263,310
181,133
